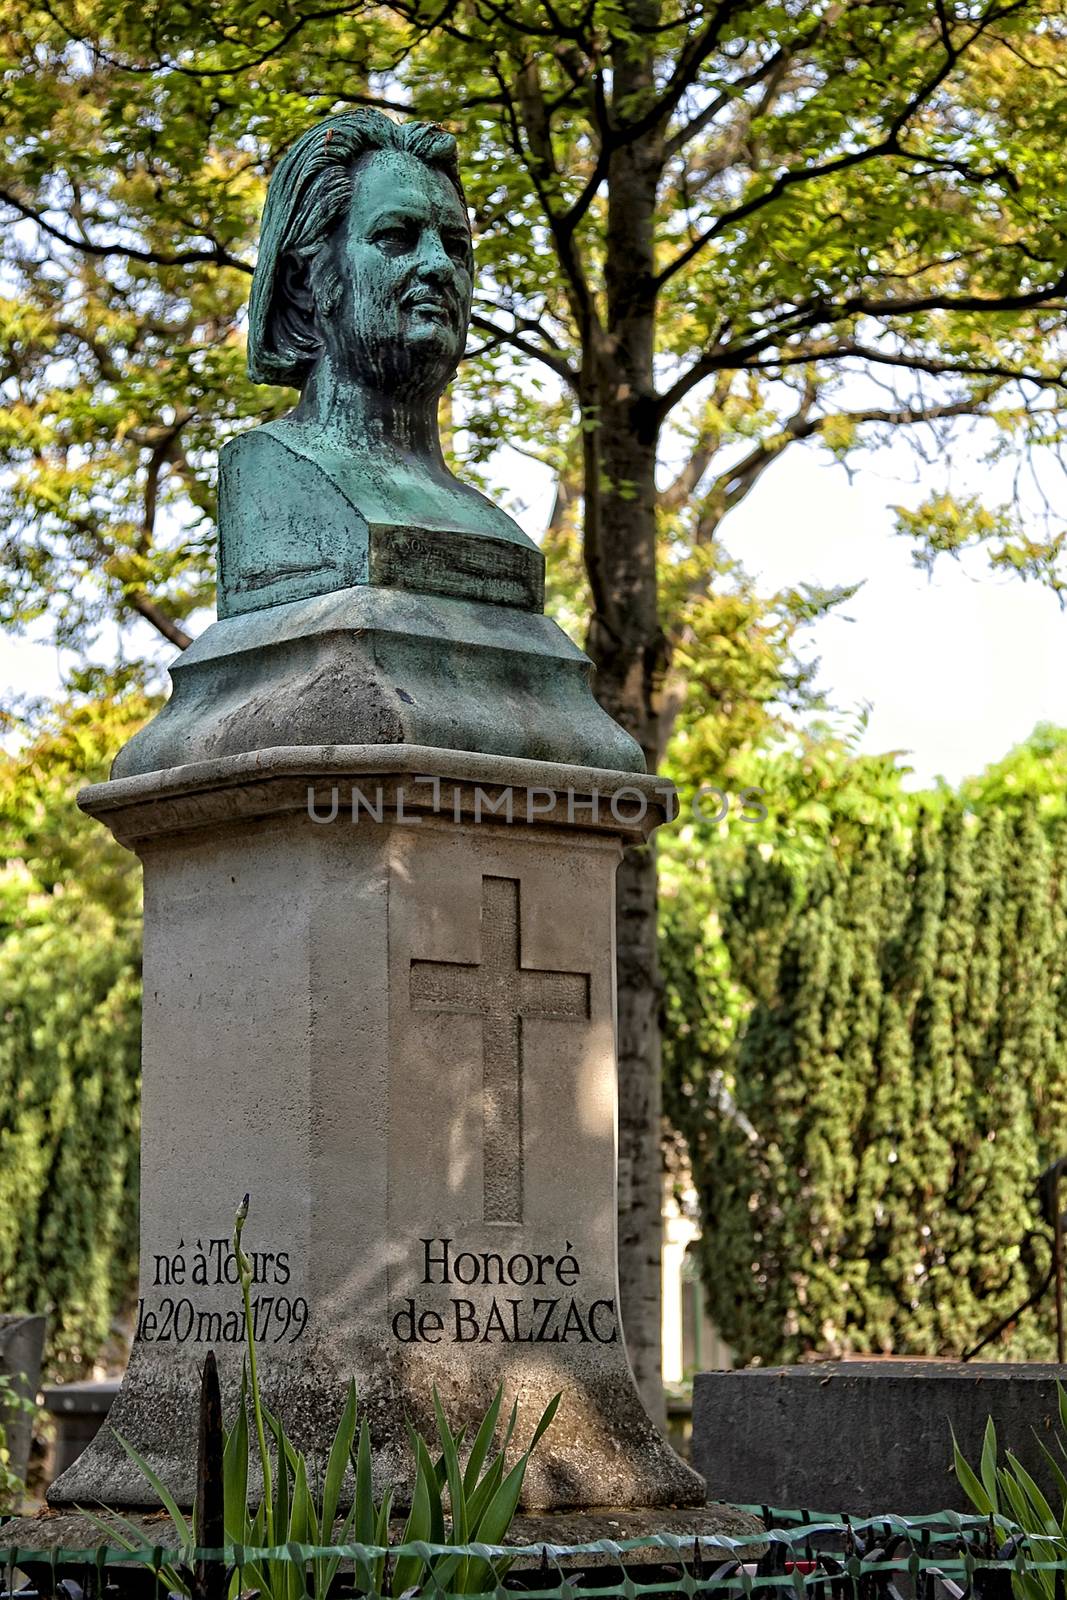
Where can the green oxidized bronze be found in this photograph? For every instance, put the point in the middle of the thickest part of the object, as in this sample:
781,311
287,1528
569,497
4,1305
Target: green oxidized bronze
366,595
361,299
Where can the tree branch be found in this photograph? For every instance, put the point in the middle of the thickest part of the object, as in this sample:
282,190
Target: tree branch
708,439
815,313
216,256
775,64
539,161
735,483
556,364
158,618
888,146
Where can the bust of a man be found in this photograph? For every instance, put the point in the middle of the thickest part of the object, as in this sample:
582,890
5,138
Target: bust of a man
361,299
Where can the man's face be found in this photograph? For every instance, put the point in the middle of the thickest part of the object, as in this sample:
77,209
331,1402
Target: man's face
404,261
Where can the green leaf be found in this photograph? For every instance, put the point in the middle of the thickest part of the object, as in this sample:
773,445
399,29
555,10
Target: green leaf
364,1497
424,1464
235,1476
482,1440
340,1451
279,1570
170,1505
408,1569
968,1482
989,1463
1046,1522
381,1537
494,1523
127,1536
546,1421
455,1477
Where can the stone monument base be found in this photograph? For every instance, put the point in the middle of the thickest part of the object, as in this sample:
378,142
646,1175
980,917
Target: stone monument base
71,1530
379,996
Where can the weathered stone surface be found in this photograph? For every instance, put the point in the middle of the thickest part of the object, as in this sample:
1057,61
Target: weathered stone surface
398,1036
864,1437
65,1530
383,667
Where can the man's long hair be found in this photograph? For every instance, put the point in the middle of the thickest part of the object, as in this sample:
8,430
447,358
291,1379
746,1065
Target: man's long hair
309,193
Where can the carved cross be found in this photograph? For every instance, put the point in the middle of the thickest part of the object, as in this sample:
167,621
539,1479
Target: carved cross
504,993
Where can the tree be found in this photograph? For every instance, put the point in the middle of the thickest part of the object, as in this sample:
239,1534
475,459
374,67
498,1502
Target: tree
718,230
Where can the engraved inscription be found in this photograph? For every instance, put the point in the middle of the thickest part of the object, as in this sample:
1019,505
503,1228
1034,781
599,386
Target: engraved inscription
183,1316
462,565
505,1317
504,994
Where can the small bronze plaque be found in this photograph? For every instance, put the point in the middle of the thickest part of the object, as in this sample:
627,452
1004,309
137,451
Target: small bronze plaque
464,566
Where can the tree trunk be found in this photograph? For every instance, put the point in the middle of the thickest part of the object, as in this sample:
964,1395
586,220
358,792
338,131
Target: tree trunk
629,648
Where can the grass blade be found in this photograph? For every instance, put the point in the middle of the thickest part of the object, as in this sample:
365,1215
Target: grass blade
169,1503
482,1440
969,1482
408,1569
340,1451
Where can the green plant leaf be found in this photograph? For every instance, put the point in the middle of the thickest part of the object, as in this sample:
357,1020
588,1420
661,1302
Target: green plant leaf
483,1494
364,1496
235,1475
546,1421
969,1482
337,1462
381,1538
127,1536
408,1569
493,1524
455,1477
302,1529
424,1464
482,1440
170,1505
988,1464
279,1570
1047,1523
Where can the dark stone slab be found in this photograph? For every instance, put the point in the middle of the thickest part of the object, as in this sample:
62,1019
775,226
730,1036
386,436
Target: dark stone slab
79,1410
865,1437
21,1344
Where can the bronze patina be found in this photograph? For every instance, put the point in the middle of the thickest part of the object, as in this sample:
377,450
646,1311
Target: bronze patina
361,299
366,595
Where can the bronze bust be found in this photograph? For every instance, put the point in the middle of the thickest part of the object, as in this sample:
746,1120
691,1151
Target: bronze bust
361,299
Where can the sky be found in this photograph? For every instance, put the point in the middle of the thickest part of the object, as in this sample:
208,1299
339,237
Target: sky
955,669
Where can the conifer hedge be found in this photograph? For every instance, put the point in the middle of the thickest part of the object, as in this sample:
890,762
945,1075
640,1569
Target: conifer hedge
867,1124
70,997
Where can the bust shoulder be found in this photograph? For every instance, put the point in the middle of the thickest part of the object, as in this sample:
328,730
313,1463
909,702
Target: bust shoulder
286,530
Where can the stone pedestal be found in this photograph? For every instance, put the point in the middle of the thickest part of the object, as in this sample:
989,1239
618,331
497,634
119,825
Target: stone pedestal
379,996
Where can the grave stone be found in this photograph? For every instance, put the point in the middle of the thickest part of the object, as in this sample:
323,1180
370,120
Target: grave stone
380,819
